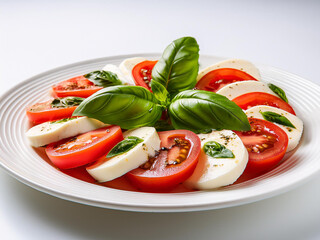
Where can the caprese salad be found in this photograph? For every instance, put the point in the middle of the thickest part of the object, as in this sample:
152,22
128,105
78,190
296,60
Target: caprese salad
159,124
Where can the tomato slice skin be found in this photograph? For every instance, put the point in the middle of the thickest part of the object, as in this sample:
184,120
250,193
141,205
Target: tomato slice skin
84,148
44,112
161,176
142,73
248,100
276,143
218,78
76,87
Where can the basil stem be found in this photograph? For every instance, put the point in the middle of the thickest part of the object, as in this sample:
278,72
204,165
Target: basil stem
277,118
217,150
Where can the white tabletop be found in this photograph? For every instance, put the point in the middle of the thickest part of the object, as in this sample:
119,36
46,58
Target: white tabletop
37,36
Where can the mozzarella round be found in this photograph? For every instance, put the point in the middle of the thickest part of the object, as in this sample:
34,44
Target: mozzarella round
50,132
121,164
294,134
128,64
217,172
121,76
150,136
239,64
236,89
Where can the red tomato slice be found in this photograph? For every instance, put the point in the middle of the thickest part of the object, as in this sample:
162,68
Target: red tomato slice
44,112
175,162
142,73
76,87
266,143
249,100
219,78
84,148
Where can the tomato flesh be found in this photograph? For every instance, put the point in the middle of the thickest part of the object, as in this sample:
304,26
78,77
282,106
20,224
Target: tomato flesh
249,100
174,163
77,87
84,148
216,79
142,73
44,112
266,144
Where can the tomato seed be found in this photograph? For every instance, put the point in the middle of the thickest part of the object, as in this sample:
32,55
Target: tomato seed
255,149
184,151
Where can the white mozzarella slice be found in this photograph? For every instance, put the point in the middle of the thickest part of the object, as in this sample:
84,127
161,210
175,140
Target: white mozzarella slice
239,64
121,164
236,89
294,134
217,172
50,132
128,64
150,136
121,76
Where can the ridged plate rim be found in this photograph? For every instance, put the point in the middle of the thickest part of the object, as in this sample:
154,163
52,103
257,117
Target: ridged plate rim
297,169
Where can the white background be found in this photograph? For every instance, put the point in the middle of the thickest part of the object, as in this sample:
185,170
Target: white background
36,36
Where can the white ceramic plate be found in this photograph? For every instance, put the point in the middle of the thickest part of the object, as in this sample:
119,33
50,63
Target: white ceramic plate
22,162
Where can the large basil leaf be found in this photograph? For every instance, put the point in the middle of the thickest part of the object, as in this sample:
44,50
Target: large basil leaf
200,111
277,118
126,106
278,91
217,150
178,67
124,146
66,102
103,78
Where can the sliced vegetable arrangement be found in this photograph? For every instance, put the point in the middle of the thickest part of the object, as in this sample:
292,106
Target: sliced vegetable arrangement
161,122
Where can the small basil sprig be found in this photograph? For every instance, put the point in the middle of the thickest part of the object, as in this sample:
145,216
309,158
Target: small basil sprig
126,106
124,146
103,78
200,111
277,118
178,67
278,91
160,92
66,102
217,150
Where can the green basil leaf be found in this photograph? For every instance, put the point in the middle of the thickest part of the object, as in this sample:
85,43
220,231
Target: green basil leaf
66,102
62,120
126,106
178,67
160,92
277,118
103,78
124,146
278,91
199,111
217,150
